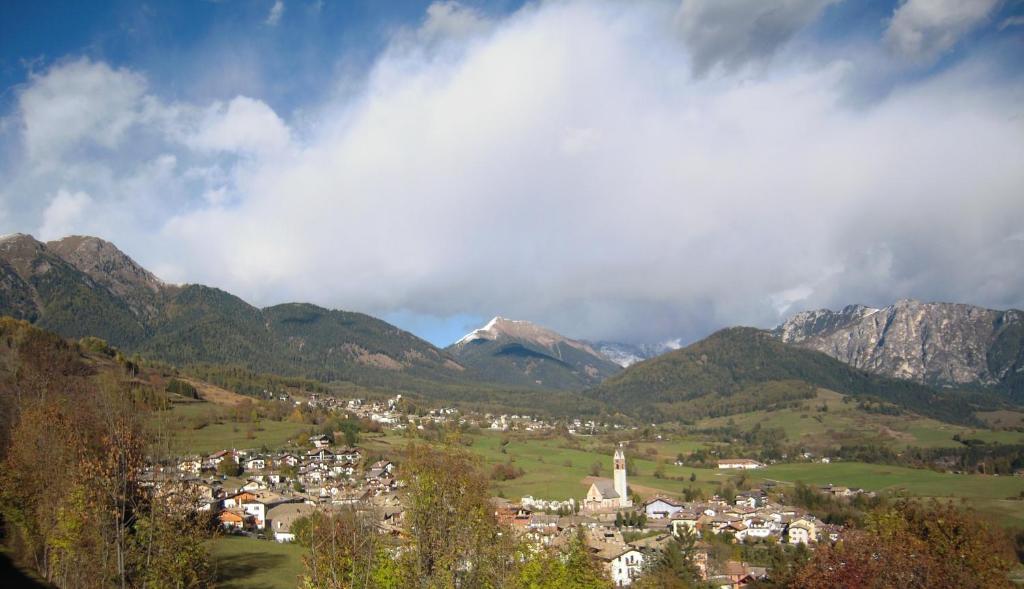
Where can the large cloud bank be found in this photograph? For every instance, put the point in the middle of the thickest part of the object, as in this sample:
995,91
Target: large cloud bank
613,170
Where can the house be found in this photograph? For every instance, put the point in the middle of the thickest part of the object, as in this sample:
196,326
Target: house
623,563
321,454
735,574
217,457
759,528
192,465
289,459
258,511
662,507
281,517
348,455
320,441
738,530
684,523
231,520
384,465
255,463
801,531
254,484
740,463
239,498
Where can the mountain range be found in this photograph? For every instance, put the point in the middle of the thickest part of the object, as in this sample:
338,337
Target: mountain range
937,359
942,344
84,286
743,369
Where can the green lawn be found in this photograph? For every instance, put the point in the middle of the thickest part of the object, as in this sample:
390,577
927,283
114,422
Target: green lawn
988,494
556,472
843,423
179,423
256,564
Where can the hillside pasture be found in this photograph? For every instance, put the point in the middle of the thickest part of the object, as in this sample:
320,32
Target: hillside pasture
203,428
827,421
248,562
994,495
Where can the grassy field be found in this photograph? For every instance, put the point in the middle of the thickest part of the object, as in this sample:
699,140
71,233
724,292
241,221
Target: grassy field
181,420
843,423
554,471
987,494
256,564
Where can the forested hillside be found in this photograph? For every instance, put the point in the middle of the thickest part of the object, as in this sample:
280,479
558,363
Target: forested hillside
748,369
83,286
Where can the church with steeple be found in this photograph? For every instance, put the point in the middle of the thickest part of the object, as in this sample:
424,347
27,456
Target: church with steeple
611,494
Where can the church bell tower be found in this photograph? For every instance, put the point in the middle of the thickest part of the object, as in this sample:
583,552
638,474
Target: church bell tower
619,479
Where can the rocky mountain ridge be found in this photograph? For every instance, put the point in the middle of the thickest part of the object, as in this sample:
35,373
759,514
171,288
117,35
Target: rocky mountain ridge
945,344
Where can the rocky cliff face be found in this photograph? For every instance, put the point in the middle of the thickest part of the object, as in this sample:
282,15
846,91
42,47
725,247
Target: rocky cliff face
934,343
112,268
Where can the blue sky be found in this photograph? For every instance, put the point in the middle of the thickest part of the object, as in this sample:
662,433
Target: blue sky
636,171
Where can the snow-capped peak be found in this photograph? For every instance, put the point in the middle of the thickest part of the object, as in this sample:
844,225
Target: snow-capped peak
483,332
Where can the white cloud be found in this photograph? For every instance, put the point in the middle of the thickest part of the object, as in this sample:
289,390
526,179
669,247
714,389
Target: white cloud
449,19
587,180
65,214
79,102
276,12
734,32
567,165
923,30
244,125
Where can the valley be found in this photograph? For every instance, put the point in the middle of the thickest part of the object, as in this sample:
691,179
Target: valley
235,400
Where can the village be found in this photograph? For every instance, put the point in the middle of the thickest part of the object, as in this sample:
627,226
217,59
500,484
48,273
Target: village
264,494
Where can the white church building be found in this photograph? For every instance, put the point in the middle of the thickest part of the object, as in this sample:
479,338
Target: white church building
611,494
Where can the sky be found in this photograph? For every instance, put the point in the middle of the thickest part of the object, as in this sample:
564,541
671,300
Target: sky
626,171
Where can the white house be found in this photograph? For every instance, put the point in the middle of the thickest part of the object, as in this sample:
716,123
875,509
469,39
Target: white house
662,507
258,511
740,463
624,565
256,463
801,531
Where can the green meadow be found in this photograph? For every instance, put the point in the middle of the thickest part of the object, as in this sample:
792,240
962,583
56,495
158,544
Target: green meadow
843,423
994,495
247,562
192,428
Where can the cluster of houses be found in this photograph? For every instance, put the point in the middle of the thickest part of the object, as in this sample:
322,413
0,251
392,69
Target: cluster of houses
276,489
625,561
747,517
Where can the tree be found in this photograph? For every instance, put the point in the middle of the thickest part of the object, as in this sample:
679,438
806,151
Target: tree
453,535
228,467
676,567
595,469
693,477
344,552
914,545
